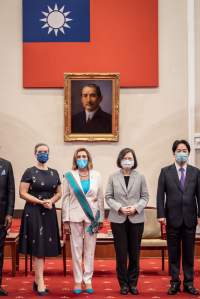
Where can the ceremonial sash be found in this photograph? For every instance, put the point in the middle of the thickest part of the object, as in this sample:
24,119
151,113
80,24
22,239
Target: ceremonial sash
93,228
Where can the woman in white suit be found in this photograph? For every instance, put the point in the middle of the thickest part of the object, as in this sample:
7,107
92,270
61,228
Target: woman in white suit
82,214
127,196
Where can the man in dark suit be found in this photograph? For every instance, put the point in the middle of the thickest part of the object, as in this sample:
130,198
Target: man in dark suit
93,119
178,206
7,202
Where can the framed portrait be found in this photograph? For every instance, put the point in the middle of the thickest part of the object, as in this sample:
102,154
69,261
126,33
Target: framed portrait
91,106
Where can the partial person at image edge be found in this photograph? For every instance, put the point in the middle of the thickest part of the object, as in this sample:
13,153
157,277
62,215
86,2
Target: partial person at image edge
7,202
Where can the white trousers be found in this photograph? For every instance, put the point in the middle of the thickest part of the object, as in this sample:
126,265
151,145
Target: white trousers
82,247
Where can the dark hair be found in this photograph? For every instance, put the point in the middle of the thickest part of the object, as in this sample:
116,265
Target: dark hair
82,149
177,142
121,155
97,88
40,144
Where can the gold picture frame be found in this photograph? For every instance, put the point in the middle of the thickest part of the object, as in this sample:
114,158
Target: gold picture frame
91,107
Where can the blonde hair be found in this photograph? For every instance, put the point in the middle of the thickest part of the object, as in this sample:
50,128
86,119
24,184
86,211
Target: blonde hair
82,149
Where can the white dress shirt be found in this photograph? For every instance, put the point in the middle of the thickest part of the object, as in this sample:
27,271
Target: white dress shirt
90,114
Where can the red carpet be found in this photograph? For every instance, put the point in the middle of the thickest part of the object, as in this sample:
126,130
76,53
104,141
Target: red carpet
152,283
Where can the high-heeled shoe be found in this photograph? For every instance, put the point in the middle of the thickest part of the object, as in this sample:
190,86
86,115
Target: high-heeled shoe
35,288
77,291
42,293
89,290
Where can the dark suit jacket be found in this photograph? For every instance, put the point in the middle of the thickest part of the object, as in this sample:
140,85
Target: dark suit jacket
175,205
100,123
7,190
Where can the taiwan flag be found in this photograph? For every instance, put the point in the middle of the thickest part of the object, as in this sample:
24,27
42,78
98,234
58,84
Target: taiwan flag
81,36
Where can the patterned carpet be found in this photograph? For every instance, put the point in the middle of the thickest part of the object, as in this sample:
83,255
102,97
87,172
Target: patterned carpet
153,283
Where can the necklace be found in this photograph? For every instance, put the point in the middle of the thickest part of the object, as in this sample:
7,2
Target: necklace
83,175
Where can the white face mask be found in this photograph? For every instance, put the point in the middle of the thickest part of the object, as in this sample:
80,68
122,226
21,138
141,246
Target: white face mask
127,163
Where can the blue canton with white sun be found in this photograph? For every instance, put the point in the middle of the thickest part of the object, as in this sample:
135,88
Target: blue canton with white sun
56,20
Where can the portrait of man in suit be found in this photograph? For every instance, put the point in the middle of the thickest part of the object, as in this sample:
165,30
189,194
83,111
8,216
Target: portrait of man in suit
91,107
178,207
92,119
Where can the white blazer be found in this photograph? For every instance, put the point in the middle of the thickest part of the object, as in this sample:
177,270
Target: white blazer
71,209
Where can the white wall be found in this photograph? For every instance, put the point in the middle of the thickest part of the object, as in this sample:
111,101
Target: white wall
197,29
150,119
197,40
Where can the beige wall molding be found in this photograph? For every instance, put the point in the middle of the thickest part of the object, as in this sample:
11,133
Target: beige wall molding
191,76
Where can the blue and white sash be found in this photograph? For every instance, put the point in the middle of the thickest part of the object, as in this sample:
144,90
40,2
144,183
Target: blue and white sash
93,228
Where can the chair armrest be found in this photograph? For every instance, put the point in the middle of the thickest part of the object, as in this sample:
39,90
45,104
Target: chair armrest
163,231
67,236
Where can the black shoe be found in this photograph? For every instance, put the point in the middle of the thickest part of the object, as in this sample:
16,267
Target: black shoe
42,293
174,288
3,292
133,290
35,288
124,290
191,290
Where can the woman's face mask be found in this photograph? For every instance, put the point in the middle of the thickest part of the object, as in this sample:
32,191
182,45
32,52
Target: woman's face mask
42,157
82,159
82,163
127,164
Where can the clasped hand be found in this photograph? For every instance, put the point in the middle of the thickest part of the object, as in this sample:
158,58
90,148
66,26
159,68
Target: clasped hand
47,203
130,210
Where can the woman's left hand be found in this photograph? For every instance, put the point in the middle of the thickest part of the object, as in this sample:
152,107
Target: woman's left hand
131,210
48,204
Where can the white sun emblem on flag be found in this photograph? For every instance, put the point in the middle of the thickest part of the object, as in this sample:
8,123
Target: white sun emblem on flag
56,19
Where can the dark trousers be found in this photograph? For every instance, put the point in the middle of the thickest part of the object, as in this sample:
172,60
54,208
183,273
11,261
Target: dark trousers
181,240
127,240
2,240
